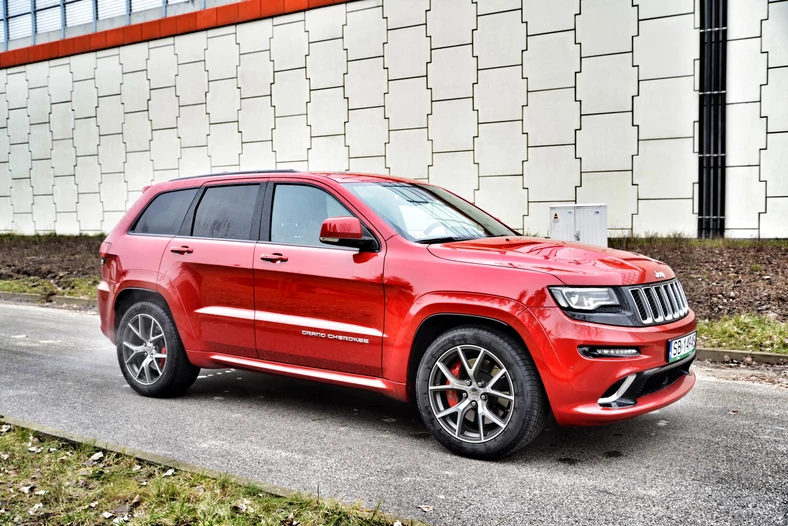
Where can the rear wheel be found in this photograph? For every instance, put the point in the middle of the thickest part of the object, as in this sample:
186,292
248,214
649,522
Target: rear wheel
150,352
479,392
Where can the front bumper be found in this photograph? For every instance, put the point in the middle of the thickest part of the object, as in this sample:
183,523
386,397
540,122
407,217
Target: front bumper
587,391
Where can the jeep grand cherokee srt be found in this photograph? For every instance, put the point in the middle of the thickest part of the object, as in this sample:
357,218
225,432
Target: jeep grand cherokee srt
393,286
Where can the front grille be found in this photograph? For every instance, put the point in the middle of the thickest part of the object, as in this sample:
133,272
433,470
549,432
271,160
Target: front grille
660,302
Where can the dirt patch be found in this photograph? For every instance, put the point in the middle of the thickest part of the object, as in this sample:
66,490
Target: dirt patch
724,277
57,259
721,277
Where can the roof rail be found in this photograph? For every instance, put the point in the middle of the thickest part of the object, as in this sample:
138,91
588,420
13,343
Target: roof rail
243,172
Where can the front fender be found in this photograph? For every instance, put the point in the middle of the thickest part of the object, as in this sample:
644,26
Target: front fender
401,330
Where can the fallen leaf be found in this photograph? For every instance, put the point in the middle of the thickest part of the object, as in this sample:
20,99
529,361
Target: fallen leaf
98,456
42,492
135,502
4,456
425,508
52,449
107,515
168,473
121,510
136,468
5,428
32,511
35,449
143,483
199,490
27,489
93,504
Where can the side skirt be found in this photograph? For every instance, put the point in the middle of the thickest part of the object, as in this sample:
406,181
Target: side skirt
370,383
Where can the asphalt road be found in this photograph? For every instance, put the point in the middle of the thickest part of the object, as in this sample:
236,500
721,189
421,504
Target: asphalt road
691,463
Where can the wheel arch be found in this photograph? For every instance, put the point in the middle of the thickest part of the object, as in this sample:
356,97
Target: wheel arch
435,325
131,295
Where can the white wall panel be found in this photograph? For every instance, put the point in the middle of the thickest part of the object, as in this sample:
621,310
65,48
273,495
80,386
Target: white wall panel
482,96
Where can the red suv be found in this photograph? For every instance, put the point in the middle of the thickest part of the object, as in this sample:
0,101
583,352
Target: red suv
395,286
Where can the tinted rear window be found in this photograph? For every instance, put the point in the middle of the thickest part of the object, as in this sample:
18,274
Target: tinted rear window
226,212
165,213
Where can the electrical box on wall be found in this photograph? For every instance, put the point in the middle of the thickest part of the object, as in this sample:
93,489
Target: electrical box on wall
583,223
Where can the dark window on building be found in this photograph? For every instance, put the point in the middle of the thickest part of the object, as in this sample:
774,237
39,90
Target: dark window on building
165,213
226,212
711,157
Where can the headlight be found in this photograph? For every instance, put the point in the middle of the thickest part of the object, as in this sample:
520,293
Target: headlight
583,298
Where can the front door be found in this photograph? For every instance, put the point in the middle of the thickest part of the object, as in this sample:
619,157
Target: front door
210,264
316,305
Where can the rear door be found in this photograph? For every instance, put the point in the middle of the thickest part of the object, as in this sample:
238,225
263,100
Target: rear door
316,305
210,264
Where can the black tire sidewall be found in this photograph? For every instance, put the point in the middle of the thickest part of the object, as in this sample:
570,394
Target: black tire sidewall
177,365
528,417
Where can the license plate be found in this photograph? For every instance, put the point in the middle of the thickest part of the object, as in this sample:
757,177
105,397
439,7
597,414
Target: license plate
681,347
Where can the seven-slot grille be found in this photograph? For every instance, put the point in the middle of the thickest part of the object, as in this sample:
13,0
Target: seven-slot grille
660,302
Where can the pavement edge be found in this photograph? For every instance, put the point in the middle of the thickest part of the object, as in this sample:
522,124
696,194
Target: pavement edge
154,458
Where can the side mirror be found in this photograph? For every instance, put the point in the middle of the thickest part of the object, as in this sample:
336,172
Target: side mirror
346,232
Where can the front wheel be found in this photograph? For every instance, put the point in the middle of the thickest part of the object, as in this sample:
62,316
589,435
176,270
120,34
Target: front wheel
150,352
479,392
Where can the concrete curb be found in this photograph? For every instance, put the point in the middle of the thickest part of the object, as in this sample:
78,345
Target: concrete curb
718,355
153,458
38,298
20,296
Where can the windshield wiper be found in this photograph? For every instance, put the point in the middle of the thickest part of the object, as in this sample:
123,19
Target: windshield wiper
446,239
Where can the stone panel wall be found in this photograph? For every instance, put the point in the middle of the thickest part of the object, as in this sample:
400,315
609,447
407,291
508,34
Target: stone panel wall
513,104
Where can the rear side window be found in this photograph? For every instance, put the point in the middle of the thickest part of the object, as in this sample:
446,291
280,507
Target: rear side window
226,212
165,213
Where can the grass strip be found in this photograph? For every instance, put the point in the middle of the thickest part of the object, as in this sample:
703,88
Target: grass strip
44,480
745,332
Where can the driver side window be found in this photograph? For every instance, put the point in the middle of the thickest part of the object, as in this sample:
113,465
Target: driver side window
298,213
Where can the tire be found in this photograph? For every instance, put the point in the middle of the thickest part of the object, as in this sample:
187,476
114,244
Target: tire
514,405
151,354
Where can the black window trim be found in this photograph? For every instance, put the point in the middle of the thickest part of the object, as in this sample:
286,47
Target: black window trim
187,227
265,219
134,223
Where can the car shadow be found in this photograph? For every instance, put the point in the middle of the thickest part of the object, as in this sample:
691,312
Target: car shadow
335,404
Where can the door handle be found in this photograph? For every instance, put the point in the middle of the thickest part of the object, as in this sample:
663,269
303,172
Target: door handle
181,250
276,257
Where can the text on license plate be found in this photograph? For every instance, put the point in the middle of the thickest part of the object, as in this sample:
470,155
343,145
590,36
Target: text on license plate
681,347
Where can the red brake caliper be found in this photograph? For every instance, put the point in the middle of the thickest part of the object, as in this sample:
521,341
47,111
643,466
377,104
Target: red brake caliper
451,396
163,351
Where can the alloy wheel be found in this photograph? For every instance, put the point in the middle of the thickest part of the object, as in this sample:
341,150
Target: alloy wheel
144,349
471,394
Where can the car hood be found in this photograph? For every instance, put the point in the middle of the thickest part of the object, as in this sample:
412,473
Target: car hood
572,263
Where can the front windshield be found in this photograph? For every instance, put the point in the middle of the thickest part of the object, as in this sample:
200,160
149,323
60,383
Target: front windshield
427,214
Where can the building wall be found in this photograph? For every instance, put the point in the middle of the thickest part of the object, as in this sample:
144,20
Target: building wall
756,201
514,104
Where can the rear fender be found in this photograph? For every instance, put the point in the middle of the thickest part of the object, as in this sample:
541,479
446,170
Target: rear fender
179,312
